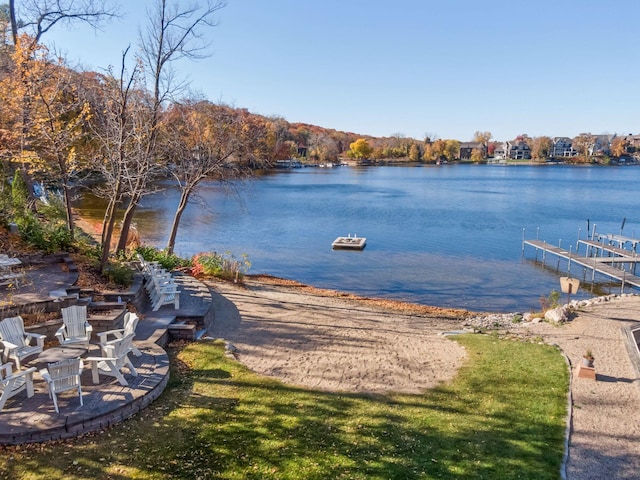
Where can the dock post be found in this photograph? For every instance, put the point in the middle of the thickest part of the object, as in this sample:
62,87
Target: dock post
593,274
544,251
578,240
569,267
559,248
523,241
624,278
538,233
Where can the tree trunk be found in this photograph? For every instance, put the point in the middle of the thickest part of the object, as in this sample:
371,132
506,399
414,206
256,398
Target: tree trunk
107,230
14,22
127,219
106,245
67,203
184,200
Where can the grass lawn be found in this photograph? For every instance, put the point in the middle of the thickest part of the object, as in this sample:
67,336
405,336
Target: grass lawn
502,417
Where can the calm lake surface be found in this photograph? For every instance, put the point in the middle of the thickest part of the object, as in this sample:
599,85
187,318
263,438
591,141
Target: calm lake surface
448,236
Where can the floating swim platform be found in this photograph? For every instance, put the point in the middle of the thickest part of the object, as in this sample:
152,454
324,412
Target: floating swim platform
349,243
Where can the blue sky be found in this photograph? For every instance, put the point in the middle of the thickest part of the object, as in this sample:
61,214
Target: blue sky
442,67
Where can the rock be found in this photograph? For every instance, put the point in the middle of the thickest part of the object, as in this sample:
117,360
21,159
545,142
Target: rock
557,315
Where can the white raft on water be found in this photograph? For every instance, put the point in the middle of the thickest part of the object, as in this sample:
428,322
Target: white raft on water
349,243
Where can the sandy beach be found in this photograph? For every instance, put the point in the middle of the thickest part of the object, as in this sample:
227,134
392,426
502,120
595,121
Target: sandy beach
331,341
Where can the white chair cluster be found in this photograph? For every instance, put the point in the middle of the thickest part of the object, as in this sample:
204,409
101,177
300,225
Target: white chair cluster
160,285
64,375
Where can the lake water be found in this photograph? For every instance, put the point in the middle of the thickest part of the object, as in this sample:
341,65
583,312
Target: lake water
448,236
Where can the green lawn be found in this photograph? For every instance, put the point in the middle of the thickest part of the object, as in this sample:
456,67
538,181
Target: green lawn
502,417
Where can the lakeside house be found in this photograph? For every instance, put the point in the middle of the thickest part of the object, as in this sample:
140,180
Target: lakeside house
467,148
518,150
561,148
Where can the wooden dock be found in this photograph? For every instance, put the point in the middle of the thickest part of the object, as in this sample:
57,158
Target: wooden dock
611,266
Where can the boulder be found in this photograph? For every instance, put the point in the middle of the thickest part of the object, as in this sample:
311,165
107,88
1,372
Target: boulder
557,315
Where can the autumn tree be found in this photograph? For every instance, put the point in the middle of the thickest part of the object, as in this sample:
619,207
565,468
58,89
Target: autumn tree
618,146
477,155
43,118
360,149
540,147
59,121
582,144
202,141
414,152
451,149
322,147
435,151
174,32
483,138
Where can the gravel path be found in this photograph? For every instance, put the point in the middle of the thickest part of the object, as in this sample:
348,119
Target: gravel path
605,437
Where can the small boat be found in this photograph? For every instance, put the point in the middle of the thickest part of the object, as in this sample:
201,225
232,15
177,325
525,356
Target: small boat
349,243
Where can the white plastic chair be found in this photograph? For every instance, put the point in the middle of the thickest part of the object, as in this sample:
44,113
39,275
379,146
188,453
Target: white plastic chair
75,328
130,324
12,383
115,357
62,376
16,342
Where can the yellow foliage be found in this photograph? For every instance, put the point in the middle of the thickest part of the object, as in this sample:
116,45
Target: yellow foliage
361,149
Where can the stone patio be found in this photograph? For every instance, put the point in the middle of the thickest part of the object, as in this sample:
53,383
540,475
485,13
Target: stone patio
24,420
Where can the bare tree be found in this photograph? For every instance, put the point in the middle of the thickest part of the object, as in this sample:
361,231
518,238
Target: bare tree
203,141
120,127
37,17
174,32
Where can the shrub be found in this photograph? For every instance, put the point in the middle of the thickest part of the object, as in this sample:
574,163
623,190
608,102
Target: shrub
120,274
224,266
168,261
51,236
552,301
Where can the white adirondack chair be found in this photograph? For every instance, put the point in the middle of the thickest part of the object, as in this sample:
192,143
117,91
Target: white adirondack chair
130,324
63,376
164,292
12,383
75,329
115,357
16,343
